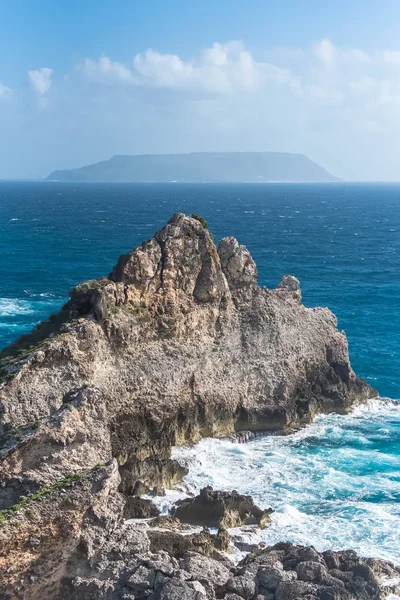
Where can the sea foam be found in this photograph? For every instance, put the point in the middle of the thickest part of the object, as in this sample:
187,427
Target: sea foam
334,484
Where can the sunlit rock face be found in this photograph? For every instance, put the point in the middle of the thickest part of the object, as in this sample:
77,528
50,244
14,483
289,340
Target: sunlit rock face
178,343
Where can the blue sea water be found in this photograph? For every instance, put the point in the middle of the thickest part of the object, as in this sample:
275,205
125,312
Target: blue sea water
335,484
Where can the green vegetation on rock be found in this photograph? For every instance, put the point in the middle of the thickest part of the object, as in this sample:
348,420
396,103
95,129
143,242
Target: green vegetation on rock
7,514
200,219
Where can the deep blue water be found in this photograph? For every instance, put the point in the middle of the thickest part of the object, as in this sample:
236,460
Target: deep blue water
335,484
341,240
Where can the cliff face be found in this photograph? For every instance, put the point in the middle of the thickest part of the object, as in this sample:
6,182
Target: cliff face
178,343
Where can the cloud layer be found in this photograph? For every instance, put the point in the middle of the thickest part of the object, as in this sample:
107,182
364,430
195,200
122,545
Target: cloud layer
325,73
341,106
223,68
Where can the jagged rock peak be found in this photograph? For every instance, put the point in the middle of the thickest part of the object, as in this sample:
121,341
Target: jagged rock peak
238,266
290,284
182,257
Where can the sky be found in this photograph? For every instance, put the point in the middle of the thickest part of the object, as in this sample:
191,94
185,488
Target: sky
81,81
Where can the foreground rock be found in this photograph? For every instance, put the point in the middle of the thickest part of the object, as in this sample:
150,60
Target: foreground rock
73,544
178,343
221,509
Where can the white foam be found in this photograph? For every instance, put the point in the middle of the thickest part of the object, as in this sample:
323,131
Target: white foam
331,484
11,307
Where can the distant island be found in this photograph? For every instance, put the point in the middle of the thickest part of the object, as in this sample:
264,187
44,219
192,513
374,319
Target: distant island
224,167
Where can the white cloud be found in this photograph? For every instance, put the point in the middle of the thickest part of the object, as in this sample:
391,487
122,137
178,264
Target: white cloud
222,68
377,93
330,55
364,85
5,92
105,70
163,70
325,51
41,80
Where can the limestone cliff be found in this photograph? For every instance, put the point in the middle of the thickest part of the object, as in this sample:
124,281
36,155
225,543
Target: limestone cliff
179,342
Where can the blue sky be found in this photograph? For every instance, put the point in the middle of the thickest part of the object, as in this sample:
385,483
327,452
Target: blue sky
81,81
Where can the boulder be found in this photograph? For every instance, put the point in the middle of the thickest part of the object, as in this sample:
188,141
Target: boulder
177,542
176,589
140,508
221,509
290,284
270,577
311,571
163,562
244,586
292,590
141,579
204,569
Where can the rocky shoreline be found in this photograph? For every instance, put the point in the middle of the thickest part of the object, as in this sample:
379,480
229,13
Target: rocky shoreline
178,343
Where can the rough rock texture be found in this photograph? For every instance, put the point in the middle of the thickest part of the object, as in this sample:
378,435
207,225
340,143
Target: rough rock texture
140,508
74,545
221,509
178,343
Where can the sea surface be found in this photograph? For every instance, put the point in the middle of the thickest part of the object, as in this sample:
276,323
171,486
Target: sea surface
335,484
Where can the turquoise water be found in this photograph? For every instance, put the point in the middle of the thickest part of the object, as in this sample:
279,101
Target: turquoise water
337,483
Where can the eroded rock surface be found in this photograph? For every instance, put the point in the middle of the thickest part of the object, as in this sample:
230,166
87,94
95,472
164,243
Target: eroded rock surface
213,508
178,343
75,545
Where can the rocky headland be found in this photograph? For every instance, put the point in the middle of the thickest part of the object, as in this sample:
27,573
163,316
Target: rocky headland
178,343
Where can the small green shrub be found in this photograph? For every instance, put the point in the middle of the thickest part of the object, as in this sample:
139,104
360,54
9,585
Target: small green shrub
200,220
91,284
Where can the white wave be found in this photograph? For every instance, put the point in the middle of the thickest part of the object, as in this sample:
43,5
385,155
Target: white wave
334,484
11,307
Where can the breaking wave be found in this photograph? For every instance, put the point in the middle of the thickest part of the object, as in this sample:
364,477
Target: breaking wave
20,315
335,484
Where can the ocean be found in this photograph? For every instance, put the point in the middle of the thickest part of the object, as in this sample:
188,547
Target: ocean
336,484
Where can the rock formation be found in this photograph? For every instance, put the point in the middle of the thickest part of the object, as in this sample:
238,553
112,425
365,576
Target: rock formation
178,343
213,508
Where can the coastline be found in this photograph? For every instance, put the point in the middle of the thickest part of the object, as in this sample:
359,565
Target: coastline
318,501
177,344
